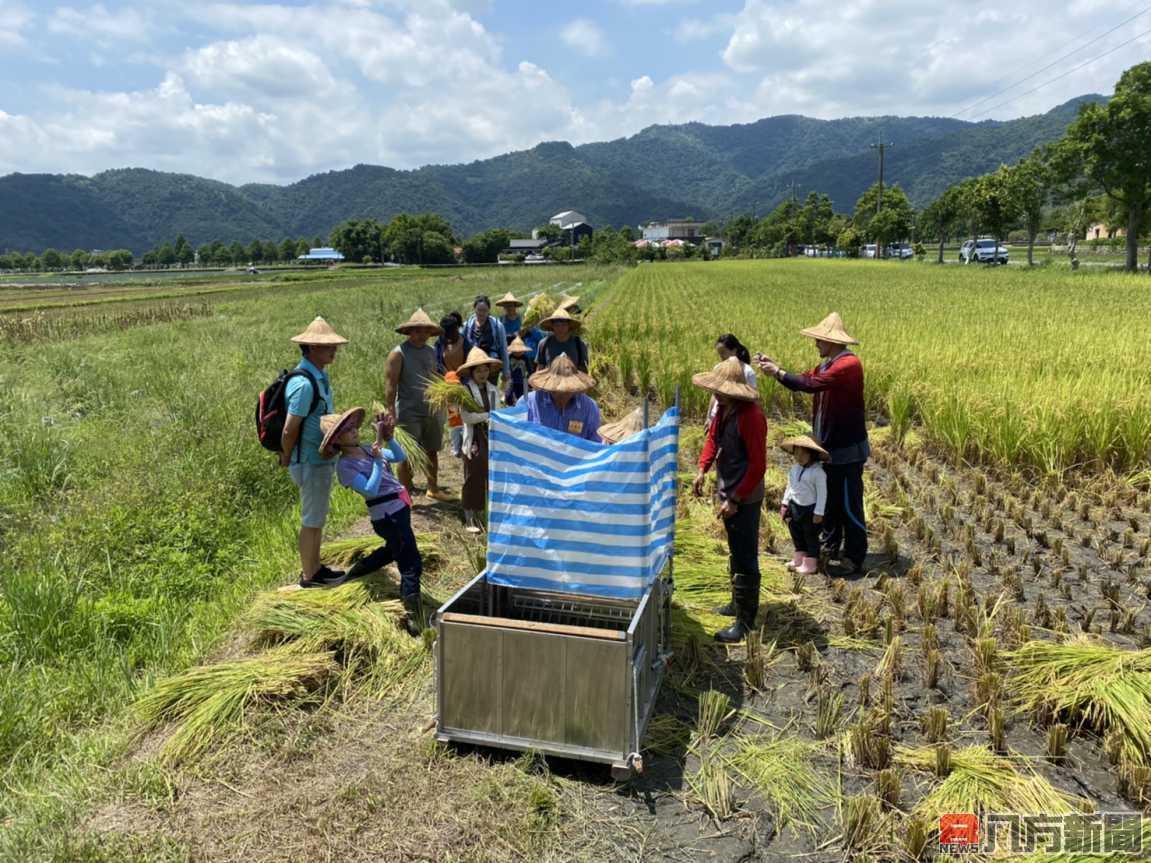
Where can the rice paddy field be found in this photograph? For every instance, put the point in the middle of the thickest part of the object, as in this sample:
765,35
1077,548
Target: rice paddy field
162,701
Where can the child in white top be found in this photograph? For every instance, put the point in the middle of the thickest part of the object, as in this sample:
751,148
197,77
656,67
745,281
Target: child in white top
804,501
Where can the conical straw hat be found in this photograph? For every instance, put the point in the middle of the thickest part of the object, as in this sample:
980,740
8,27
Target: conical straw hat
726,379
622,428
319,332
332,424
517,347
830,329
420,321
560,314
791,444
567,302
561,377
509,299
479,357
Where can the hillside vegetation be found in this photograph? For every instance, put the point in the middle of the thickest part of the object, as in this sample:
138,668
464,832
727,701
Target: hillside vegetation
661,172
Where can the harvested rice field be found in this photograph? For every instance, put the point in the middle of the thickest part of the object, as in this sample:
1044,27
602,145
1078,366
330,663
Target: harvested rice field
995,657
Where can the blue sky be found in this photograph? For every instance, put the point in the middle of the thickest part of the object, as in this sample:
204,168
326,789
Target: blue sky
276,91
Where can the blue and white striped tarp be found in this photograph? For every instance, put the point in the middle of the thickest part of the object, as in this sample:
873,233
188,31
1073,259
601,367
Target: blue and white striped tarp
565,514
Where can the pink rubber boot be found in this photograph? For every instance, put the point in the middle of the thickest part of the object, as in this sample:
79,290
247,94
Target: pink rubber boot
810,566
796,561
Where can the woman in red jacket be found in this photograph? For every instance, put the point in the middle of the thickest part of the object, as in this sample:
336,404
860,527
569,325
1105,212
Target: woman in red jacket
737,446
839,425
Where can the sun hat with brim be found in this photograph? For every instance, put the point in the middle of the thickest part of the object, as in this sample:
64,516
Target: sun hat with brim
561,377
508,299
791,444
319,332
478,357
830,329
333,424
518,347
726,379
557,316
622,428
420,321
567,302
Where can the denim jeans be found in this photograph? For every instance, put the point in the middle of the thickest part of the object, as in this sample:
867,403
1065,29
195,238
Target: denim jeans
399,547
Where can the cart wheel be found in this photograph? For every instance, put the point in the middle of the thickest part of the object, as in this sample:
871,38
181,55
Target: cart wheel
628,771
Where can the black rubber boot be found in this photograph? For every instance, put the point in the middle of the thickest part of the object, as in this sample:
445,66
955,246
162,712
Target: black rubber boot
414,619
745,596
728,610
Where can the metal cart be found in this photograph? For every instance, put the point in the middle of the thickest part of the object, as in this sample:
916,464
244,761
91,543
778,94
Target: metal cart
536,657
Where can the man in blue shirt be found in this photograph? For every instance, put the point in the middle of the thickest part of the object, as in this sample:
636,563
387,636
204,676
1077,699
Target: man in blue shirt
558,400
309,397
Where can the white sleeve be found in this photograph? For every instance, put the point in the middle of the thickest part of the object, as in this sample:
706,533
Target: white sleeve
820,479
789,492
749,375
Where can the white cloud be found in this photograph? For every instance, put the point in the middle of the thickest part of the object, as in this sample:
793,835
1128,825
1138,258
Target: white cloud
658,2
584,36
277,91
101,24
13,18
701,29
262,67
836,57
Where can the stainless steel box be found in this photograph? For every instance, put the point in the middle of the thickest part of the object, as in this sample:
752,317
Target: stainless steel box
566,675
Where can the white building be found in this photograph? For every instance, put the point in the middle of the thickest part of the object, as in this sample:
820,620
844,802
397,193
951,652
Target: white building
567,219
673,229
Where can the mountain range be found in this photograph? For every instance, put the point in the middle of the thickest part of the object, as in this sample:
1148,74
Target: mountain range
689,170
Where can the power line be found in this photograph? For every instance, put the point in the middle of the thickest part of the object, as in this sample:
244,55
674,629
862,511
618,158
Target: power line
1070,71
1052,64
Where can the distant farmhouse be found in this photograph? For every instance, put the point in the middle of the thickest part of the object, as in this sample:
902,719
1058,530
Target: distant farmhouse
687,230
321,255
1103,231
573,225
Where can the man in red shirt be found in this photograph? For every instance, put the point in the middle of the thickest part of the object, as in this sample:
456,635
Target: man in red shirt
737,446
839,425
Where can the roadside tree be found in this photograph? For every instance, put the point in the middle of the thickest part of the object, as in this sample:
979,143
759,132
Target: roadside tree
1109,143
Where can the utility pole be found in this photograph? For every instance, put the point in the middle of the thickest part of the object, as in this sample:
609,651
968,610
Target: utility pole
882,148
794,186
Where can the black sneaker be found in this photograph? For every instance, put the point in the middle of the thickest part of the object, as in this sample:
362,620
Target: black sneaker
325,577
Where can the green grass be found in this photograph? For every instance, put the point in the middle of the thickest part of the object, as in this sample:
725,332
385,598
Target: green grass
138,513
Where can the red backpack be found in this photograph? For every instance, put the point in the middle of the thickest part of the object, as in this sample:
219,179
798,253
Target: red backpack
272,408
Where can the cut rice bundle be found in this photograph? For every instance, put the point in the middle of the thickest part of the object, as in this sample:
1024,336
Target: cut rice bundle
209,703
1103,686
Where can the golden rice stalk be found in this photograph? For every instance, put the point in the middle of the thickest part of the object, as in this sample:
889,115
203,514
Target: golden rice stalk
714,708
345,552
1105,686
440,394
369,640
209,703
418,460
712,787
981,781
541,306
783,771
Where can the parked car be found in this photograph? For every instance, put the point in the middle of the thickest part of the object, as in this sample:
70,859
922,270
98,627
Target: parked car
868,251
900,251
983,251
